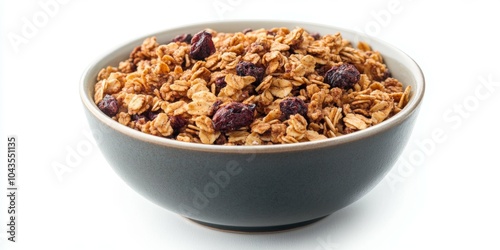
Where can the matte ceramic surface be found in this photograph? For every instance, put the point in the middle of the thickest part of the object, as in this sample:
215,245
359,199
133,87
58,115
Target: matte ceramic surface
255,188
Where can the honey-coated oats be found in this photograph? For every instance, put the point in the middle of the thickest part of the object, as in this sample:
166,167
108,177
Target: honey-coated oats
257,87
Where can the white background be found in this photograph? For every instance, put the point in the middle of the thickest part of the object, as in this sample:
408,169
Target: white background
442,195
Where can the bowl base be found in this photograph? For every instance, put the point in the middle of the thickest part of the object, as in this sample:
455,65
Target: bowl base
266,229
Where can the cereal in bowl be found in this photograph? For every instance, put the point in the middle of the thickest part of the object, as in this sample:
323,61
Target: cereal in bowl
255,87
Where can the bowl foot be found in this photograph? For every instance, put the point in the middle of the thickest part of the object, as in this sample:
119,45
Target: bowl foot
237,229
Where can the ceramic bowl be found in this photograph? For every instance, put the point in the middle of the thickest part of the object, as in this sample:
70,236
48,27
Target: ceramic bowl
255,188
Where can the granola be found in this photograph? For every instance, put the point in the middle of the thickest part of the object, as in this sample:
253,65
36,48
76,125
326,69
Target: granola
257,87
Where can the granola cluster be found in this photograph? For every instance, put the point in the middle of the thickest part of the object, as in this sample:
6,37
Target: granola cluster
257,87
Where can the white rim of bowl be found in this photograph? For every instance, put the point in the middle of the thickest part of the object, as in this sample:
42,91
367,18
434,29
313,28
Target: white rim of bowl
413,104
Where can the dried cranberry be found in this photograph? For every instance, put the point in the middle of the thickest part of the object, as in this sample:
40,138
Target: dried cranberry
214,107
183,38
221,140
152,114
291,106
343,76
316,36
202,45
250,69
232,117
140,119
219,84
108,105
177,122
137,117
146,116
387,74
321,69
247,30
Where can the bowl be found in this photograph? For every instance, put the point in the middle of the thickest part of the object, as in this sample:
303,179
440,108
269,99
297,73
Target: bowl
255,188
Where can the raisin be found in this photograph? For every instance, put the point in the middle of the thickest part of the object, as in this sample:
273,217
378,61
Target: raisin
177,122
137,117
108,105
202,45
250,69
214,107
247,30
291,106
146,116
183,38
387,74
140,119
219,84
152,114
316,36
343,76
232,116
321,69
221,140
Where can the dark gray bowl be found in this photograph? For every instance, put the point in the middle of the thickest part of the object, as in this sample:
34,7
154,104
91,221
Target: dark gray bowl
255,188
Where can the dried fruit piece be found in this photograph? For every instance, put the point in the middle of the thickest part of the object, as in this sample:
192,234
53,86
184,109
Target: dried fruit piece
232,116
219,84
291,106
221,140
137,117
202,46
247,30
250,69
321,69
152,115
147,116
214,107
387,74
108,105
343,76
316,35
183,38
177,122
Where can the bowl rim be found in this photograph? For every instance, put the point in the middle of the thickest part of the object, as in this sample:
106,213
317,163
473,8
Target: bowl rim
410,108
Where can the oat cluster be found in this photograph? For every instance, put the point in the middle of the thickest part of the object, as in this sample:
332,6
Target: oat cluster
258,87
